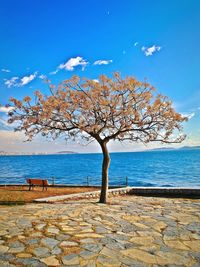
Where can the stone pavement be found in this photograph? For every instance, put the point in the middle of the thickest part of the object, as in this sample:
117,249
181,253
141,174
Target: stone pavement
130,231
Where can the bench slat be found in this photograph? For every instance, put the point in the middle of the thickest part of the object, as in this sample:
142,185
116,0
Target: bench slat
39,182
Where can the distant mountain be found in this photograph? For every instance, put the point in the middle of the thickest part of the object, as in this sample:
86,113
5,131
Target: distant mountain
190,147
66,152
174,148
4,153
162,148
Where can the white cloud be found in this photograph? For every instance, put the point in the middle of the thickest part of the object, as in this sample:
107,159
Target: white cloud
5,70
54,72
149,51
4,125
6,109
8,137
42,76
72,63
189,115
27,79
102,62
3,122
96,80
13,82
17,82
136,43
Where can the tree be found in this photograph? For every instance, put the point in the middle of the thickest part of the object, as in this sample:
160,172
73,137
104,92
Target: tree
110,109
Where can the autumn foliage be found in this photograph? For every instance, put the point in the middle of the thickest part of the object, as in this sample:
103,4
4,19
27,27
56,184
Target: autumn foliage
111,109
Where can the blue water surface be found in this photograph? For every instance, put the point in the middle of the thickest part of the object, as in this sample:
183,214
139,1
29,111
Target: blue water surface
152,168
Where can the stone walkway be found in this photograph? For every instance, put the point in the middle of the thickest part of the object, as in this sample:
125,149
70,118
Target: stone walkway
130,231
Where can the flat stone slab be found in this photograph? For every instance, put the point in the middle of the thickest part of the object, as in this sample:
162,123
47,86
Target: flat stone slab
129,231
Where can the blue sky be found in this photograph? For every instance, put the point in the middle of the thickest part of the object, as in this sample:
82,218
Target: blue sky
157,40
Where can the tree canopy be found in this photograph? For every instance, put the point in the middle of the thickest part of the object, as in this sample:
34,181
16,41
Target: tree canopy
110,109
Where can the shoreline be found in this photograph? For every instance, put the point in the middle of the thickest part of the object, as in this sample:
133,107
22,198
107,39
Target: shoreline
112,152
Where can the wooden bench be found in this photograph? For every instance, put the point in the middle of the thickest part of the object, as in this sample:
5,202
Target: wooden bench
37,182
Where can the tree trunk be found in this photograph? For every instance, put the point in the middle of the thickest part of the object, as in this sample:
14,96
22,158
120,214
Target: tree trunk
105,166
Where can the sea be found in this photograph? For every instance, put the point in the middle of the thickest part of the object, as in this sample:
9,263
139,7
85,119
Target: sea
170,168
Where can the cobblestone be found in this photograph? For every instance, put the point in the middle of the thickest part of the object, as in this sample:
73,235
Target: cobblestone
129,231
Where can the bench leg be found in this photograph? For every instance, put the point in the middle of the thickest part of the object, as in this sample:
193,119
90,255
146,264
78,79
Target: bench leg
44,185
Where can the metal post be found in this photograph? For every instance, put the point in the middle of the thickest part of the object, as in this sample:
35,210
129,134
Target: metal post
53,181
87,180
126,181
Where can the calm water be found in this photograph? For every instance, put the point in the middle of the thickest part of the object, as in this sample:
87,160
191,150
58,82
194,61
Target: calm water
155,168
